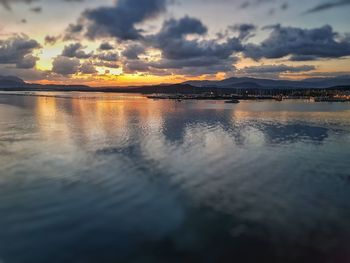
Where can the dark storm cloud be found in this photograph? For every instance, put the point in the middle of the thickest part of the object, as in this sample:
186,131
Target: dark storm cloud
315,43
107,64
27,74
73,30
205,65
245,30
87,68
18,50
106,46
75,51
303,58
328,5
185,26
273,71
188,67
119,21
133,51
27,62
173,42
65,66
194,62
183,55
277,69
108,56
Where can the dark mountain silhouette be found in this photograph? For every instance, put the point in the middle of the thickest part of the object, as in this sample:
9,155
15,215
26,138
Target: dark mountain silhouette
248,83
230,85
11,81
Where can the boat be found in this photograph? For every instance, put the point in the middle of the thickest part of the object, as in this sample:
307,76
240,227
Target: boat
156,97
279,98
232,101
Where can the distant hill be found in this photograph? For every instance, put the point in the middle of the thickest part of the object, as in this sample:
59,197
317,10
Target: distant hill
11,81
17,84
255,83
231,85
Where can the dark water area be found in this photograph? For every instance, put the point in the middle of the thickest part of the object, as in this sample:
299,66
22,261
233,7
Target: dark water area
119,178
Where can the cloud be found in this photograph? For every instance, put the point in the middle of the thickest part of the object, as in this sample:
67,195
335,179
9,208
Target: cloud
107,59
106,46
314,43
119,20
184,55
107,64
65,66
27,62
51,40
133,51
188,67
333,74
18,50
328,5
73,30
27,74
282,68
173,42
108,56
244,30
75,51
274,71
185,26
88,68
303,58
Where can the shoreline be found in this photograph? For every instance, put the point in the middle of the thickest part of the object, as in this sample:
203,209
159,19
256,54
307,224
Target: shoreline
181,97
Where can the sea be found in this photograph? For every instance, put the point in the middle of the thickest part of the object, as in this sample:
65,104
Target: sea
107,177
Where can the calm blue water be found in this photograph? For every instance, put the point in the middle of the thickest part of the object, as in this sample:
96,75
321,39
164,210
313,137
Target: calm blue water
119,178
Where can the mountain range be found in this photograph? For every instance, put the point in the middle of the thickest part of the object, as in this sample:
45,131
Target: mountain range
11,81
255,83
16,84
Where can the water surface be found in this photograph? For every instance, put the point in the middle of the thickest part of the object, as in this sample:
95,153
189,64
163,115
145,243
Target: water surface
120,178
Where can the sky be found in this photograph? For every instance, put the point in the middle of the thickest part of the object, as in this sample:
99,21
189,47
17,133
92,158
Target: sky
141,42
